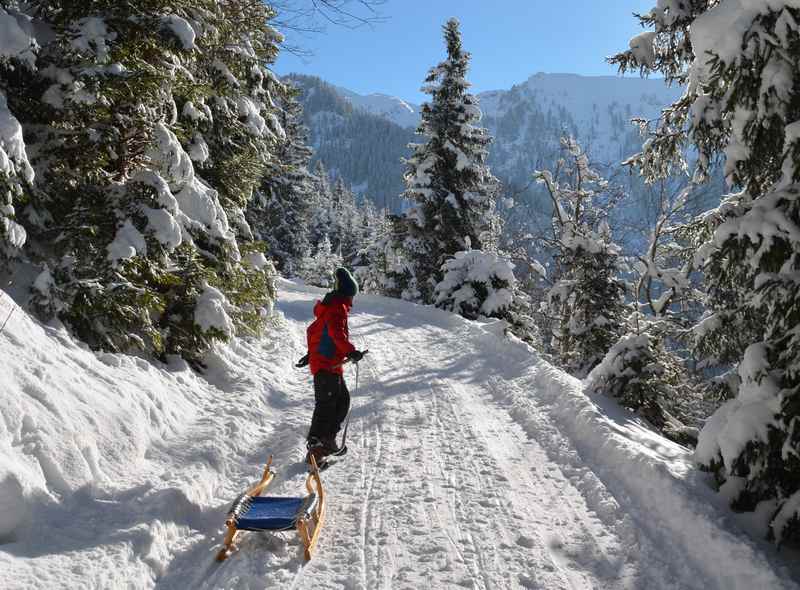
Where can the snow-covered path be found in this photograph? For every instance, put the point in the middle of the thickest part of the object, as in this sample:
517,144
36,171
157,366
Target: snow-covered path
472,464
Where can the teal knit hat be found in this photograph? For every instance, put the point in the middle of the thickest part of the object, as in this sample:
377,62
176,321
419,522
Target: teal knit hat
345,283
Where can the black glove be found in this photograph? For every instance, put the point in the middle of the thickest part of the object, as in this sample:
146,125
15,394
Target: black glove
356,355
302,362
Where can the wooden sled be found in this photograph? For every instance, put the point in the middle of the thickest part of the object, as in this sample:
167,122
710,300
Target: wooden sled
253,512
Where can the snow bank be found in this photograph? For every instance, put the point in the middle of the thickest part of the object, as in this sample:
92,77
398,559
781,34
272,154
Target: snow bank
116,472
14,508
652,477
74,420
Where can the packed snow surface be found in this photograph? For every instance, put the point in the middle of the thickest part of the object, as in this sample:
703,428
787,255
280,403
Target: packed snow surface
472,464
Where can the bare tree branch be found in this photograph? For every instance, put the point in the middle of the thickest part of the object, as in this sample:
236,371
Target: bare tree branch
306,18
312,16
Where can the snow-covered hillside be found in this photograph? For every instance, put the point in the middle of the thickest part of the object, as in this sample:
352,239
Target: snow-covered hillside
363,148
472,463
596,110
594,104
394,109
526,122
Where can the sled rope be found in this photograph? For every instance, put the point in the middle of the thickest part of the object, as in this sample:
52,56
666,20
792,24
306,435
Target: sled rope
347,421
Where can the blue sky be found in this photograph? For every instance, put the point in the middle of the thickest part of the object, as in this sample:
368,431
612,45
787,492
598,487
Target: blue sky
509,40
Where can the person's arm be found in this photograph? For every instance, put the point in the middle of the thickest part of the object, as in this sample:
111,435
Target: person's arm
339,331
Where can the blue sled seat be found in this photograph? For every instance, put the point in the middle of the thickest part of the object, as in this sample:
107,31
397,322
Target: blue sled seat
275,513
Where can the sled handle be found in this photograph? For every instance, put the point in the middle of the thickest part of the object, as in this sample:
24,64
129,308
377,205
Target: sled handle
310,540
265,480
346,361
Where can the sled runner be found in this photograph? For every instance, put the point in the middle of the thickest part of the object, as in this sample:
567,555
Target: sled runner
253,512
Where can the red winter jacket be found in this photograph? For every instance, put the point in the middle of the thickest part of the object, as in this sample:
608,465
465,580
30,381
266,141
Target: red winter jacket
328,336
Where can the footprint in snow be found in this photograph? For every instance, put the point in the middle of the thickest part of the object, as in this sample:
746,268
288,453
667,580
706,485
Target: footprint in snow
527,542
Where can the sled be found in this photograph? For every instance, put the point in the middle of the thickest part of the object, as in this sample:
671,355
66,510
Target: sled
253,512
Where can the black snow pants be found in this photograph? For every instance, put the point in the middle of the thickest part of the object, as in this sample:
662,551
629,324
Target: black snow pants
332,404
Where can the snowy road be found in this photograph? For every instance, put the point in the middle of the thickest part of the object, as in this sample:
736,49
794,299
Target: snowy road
472,464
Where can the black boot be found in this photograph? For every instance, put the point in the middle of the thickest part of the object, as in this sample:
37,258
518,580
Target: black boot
330,445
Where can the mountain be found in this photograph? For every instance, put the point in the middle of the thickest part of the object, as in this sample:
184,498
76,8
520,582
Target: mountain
364,148
396,110
526,122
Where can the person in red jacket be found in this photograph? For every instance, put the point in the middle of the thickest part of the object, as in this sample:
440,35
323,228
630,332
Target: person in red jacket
329,346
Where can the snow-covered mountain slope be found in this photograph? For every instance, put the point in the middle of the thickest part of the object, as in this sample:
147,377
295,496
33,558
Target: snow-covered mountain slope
394,109
526,121
363,148
472,463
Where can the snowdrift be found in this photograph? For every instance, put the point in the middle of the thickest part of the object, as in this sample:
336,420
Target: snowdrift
73,419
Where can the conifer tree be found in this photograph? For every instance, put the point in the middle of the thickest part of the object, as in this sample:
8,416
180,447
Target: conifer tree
482,284
345,228
281,210
644,376
740,63
15,173
447,179
321,205
370,265
585,303
318,269
17,54
151,126
382,264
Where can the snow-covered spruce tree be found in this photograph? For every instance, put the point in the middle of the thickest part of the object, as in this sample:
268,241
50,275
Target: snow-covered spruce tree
585,304
373,260
346,221
236,43
482,284
140,250
382,264
15,173
321,205
335,214
451,188
17,54
642,375
741,63
318,270
280,212
666,392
